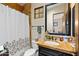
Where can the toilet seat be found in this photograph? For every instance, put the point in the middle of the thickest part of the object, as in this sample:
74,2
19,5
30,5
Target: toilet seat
30,52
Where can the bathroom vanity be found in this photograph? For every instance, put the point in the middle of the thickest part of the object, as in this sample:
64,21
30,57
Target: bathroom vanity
51,52
47,48
60,21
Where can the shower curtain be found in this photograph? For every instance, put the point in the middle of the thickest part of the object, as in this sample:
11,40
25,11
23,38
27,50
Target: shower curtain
14,28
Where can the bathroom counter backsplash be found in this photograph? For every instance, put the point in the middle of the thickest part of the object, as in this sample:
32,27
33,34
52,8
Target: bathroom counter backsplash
69,39
64,38
17,47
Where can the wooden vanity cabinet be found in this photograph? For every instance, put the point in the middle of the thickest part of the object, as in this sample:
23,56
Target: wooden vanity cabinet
49,52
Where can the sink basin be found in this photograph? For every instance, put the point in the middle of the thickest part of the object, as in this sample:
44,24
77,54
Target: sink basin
51,43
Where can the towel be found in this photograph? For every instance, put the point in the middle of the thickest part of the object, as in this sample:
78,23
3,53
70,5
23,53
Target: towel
39,29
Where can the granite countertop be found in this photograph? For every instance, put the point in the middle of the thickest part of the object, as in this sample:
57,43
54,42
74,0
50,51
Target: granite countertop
63,46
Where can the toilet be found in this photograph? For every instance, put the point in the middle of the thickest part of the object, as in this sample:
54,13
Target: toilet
32,51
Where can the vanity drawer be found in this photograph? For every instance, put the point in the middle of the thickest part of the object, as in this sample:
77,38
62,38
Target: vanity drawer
48,52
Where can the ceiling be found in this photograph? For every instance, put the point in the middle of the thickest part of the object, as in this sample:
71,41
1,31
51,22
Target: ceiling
22,4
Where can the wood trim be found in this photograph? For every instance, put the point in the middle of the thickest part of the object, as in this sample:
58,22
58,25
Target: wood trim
27,8
27,11
77,27
30,31
78,30
15,6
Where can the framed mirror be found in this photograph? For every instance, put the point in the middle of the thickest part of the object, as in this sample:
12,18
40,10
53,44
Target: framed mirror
73,20
58,19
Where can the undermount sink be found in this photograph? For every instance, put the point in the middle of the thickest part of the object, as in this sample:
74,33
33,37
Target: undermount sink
51,43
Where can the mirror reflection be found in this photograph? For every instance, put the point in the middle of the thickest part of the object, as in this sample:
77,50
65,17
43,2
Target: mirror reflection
57,18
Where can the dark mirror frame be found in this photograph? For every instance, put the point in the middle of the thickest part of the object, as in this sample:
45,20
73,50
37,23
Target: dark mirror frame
73,21
68,26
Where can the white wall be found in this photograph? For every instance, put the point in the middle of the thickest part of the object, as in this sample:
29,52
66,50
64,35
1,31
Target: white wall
40,21
37,22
